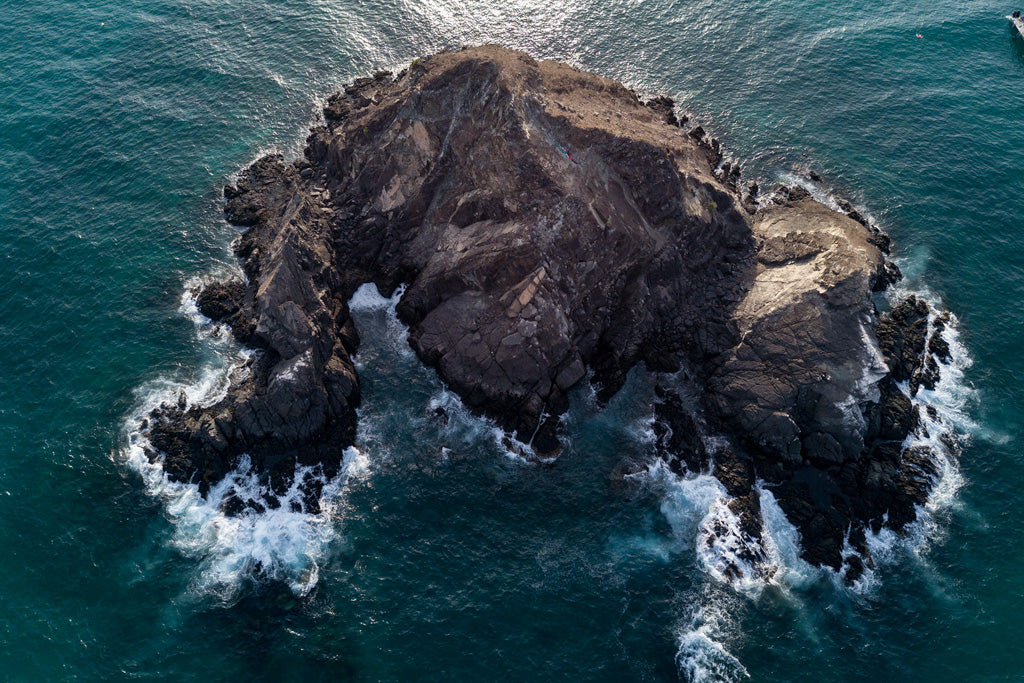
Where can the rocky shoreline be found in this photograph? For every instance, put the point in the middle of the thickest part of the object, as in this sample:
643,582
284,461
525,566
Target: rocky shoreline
549,225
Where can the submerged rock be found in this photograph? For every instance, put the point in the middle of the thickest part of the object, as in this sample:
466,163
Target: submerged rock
546,223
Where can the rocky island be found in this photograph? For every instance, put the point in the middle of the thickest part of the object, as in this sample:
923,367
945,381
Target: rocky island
552,228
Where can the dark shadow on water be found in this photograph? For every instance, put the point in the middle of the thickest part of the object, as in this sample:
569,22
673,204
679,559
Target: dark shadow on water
1017,45
273,635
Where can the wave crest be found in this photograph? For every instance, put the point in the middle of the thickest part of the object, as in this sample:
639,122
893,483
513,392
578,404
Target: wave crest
242,530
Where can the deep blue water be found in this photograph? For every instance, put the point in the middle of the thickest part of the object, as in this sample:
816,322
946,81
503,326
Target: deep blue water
442,558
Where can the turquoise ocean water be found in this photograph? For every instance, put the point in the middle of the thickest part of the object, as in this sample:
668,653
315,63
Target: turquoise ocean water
439,556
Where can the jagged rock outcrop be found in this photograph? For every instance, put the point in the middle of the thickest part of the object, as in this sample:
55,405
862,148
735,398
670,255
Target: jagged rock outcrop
547,222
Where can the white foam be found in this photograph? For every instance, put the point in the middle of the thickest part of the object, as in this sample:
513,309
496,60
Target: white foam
686,501
206,330
697,509
819,194
952,400
643,431
781,541
187,305
725,551
459,424
701,656
211,386
464,427
368,300
283,541
696,506
945,434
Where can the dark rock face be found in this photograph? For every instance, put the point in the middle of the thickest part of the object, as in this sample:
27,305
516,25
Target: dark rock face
547,223
293,402
678,437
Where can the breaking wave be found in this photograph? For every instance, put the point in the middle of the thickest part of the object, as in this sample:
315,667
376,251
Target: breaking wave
946,428
701,656
287,542
693,505
946,425
267,536
451,422
279,541
697,508
368,300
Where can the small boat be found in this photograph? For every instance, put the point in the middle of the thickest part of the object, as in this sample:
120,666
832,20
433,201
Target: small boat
1018,22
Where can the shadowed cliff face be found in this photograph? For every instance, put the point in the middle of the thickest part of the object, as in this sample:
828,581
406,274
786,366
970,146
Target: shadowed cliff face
545,223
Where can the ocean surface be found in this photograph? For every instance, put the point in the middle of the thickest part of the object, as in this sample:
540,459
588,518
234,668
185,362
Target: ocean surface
440,556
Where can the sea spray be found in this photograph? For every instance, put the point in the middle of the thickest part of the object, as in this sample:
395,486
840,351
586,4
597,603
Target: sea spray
701,654
696,506
274,537
946,426
270,536
449,416
782,544
368,300
241,530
